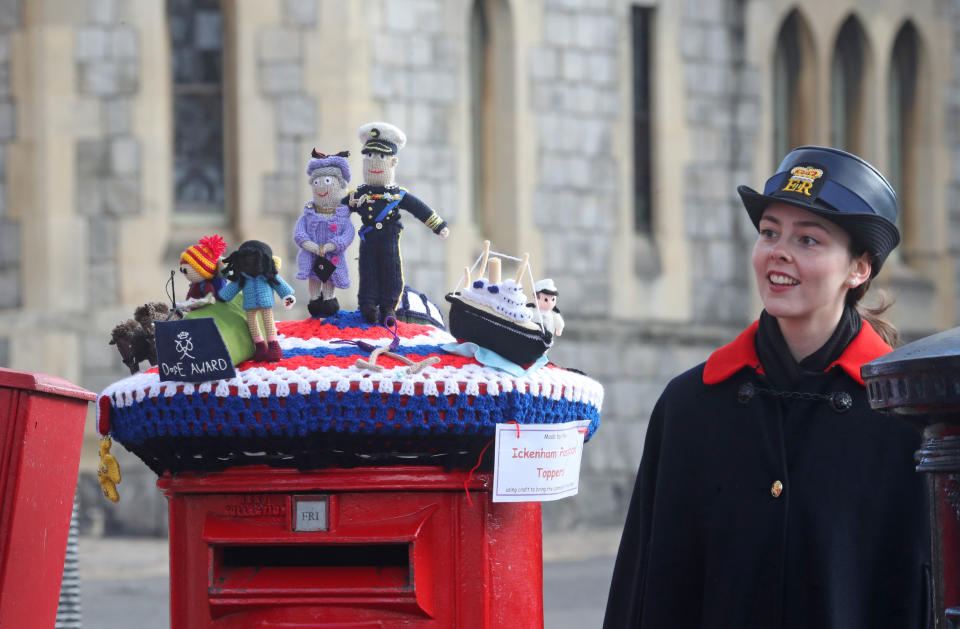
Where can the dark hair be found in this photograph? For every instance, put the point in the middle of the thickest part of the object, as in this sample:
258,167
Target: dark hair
253,258
872,315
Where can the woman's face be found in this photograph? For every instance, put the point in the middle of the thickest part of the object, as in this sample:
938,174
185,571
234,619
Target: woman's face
804,266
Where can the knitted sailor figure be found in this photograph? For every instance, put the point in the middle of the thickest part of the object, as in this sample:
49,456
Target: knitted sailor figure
325,231
547,305
378,202
200,264
253,269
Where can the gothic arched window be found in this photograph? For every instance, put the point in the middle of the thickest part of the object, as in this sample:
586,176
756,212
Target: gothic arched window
196,46
492,121
794,78
847,79
902,88
641,19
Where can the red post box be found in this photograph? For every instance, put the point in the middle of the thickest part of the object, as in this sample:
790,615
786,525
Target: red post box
41,431
362,548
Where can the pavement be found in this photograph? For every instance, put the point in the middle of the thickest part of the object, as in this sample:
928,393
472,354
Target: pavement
125,581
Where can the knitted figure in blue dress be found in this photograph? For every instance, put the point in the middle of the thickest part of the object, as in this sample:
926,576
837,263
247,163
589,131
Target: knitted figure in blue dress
325,230
378,202
254,270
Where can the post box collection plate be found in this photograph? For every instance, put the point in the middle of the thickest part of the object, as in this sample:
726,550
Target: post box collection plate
311,513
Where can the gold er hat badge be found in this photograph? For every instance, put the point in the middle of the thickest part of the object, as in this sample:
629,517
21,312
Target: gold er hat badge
776,489
802,179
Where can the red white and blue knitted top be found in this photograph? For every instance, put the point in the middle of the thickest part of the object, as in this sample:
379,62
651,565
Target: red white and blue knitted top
317,407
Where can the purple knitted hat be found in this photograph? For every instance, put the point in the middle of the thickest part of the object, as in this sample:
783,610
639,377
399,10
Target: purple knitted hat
339,160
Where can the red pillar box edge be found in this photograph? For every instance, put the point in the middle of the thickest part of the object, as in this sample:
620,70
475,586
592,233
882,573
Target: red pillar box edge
41,432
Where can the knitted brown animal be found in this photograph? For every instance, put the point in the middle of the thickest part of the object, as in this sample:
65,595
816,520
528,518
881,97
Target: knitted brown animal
134,344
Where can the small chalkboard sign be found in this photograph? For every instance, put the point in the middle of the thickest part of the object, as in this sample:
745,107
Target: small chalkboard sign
191,350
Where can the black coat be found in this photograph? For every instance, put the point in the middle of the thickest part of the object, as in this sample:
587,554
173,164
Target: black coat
707,544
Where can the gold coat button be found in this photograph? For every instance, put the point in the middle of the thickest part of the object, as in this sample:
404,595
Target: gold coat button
776,489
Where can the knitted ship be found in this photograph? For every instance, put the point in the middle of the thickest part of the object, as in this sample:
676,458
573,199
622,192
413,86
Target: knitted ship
492,312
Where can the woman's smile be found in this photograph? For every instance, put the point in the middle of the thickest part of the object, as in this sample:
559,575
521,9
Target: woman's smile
781,282
802,264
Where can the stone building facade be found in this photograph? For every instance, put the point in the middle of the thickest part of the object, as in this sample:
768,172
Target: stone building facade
605,137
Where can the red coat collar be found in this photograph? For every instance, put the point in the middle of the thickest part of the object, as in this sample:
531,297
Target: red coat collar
742,352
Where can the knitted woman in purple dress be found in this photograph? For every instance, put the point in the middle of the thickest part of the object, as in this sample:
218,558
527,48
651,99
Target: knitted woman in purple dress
325,230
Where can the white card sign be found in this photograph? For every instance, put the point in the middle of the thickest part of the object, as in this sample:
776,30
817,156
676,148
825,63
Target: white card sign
537,462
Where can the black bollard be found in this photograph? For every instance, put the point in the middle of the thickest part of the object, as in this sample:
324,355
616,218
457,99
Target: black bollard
921,383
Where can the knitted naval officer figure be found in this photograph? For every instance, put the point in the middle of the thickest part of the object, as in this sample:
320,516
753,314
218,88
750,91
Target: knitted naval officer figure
200,264
547,294
378,201
325,230
253,269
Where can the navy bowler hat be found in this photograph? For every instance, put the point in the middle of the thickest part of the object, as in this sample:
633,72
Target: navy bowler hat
841,188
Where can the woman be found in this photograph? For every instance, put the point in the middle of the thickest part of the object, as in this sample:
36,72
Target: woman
324,231
769,494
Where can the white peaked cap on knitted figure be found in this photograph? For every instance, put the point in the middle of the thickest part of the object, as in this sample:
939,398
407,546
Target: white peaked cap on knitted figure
381,137
546,286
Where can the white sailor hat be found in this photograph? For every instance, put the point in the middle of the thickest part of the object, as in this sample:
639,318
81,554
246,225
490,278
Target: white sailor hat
381,137
546,286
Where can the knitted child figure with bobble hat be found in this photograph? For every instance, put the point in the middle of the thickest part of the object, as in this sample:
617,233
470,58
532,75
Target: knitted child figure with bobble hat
200,264
324,232
378,201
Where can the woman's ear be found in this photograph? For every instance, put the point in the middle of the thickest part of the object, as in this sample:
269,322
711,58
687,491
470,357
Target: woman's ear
860,268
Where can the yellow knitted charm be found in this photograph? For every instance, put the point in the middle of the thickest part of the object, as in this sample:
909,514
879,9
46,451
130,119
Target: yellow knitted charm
109,471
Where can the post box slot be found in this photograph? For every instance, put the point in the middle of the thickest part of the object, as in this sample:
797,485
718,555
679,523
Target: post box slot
312,567
300,556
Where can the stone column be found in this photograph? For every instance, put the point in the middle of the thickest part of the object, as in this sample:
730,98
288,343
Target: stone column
41,175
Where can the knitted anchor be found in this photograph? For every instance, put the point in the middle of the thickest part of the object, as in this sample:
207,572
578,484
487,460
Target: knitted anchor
390,351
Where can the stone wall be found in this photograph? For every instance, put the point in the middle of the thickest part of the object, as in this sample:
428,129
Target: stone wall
109,182
634,361
576,102
419,91
722,102
952,118
107,154
281,70
11,17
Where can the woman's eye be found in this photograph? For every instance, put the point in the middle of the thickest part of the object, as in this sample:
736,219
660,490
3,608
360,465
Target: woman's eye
808,240
768,233
327,180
